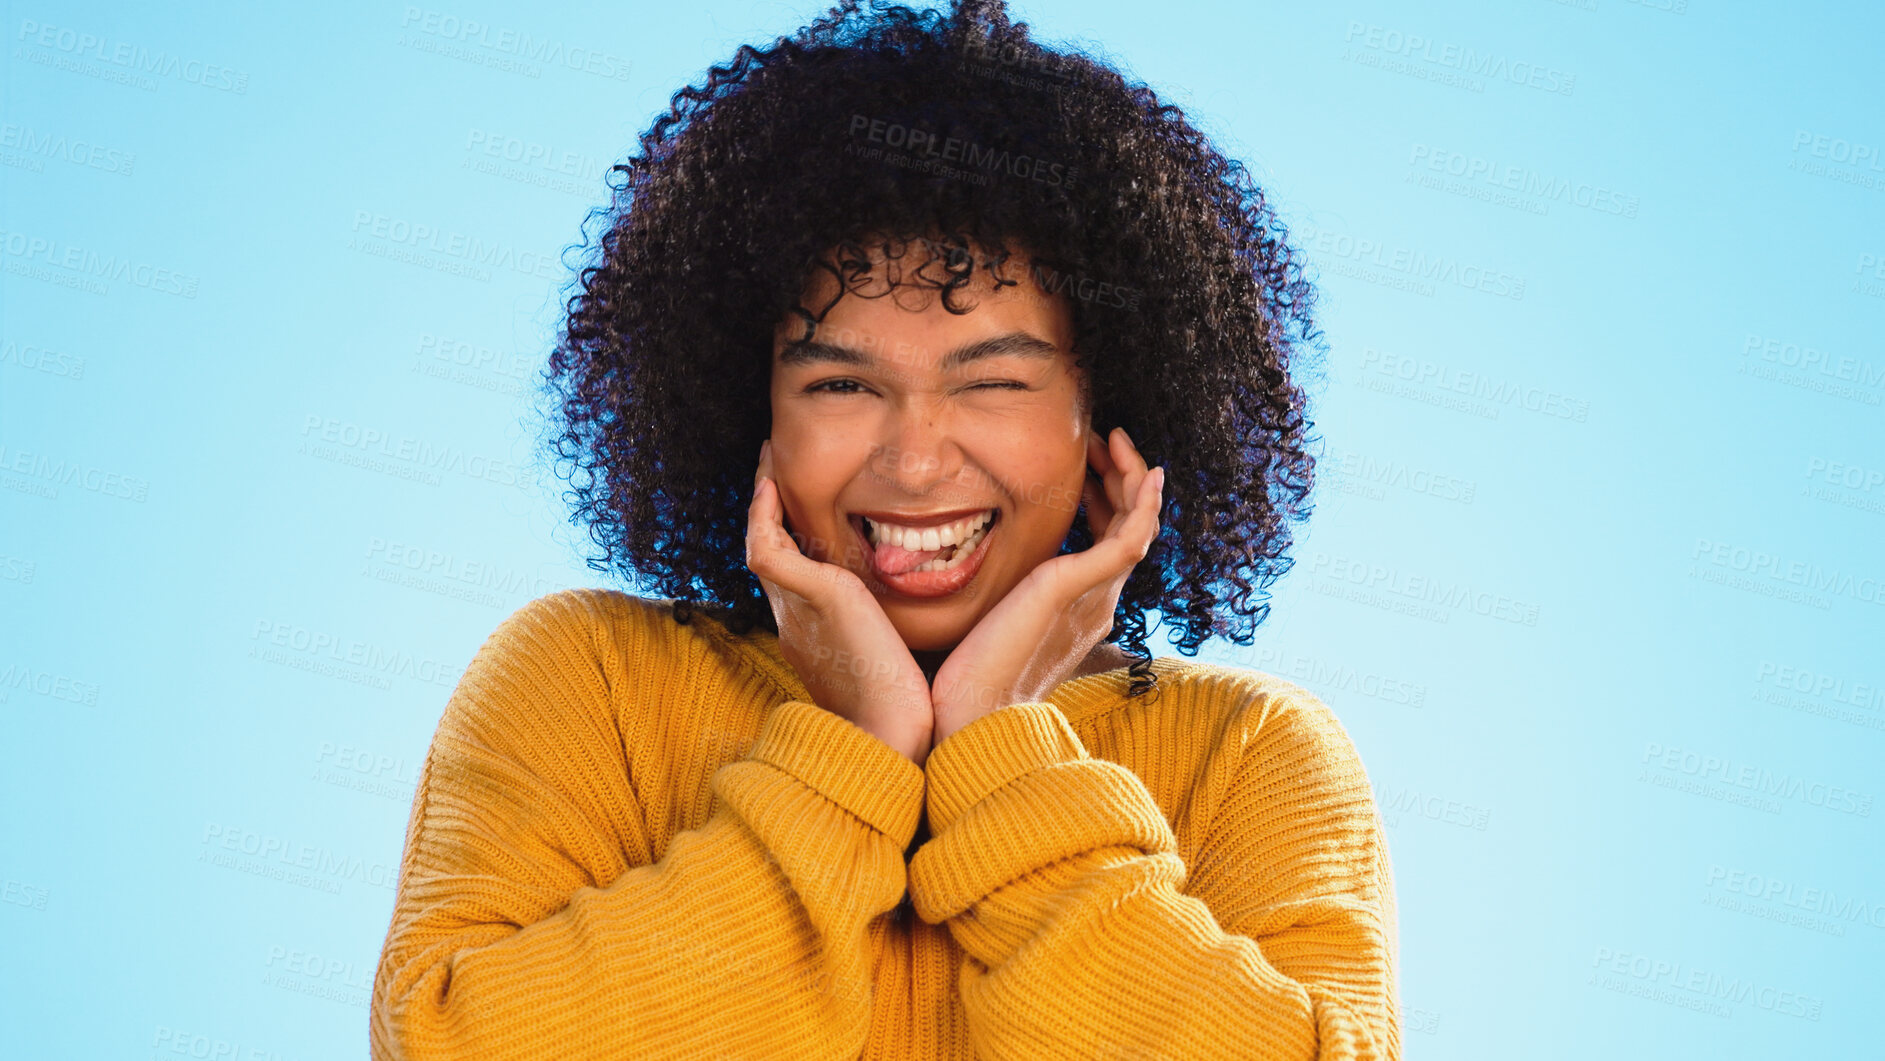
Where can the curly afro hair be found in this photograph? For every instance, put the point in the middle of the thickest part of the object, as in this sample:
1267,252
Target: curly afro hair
893,125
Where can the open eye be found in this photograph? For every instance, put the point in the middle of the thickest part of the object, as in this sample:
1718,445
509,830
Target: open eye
829,386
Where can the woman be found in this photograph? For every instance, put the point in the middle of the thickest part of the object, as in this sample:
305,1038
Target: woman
904,783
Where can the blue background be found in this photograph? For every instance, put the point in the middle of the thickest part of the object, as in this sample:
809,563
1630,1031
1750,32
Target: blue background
1595,581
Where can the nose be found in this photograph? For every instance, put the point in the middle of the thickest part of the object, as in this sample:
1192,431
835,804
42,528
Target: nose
917,451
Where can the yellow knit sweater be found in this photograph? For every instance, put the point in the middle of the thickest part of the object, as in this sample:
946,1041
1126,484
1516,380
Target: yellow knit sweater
638,839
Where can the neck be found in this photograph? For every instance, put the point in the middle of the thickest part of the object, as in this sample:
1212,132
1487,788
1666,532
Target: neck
930,660
1104,657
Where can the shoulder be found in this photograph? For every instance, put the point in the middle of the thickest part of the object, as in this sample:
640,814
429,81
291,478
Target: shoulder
1270,724
1296,808
586,625
586,612
571,652
608,647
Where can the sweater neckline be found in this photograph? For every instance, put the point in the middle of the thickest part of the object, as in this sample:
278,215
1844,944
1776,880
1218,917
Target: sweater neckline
1077,697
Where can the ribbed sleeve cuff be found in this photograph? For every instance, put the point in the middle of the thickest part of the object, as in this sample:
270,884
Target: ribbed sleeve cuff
1014,791
847,765
992,751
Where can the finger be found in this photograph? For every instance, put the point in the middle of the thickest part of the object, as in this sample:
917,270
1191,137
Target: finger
1099,467
1111,475
1146,502
1132,467
1139,525
1099,510
1151,490
772,554
1097,454
1126,543
1121,459
1074,576
762,527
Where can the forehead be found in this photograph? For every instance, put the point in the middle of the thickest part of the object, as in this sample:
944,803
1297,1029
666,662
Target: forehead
890,315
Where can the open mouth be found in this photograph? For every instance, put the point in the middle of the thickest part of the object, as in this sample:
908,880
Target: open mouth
932,562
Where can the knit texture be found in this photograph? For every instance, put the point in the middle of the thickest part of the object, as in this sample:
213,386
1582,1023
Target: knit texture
637,839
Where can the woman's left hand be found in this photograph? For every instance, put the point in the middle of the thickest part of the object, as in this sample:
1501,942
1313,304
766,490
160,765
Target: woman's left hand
1037,636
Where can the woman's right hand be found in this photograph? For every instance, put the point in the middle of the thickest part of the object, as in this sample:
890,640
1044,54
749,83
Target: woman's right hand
834,633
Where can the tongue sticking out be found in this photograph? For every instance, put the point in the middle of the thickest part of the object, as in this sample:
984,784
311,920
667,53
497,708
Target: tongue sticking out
896,560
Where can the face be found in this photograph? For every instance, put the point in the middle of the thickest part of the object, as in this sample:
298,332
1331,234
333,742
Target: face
903,425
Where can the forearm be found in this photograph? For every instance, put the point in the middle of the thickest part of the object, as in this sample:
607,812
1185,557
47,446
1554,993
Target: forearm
750,934
1060,877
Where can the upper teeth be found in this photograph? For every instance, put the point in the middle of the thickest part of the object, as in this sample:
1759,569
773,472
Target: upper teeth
924,538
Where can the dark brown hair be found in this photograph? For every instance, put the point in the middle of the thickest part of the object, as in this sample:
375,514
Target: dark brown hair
881,121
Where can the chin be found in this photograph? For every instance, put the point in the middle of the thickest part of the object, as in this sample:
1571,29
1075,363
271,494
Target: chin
931,628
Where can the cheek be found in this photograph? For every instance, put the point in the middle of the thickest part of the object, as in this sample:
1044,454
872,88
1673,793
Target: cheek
815,444
1047,495
810,483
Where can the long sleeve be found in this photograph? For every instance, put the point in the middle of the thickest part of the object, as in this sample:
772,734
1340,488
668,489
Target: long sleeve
522,930
1086,934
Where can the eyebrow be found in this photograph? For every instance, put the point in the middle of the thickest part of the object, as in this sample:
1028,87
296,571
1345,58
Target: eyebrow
1018,344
